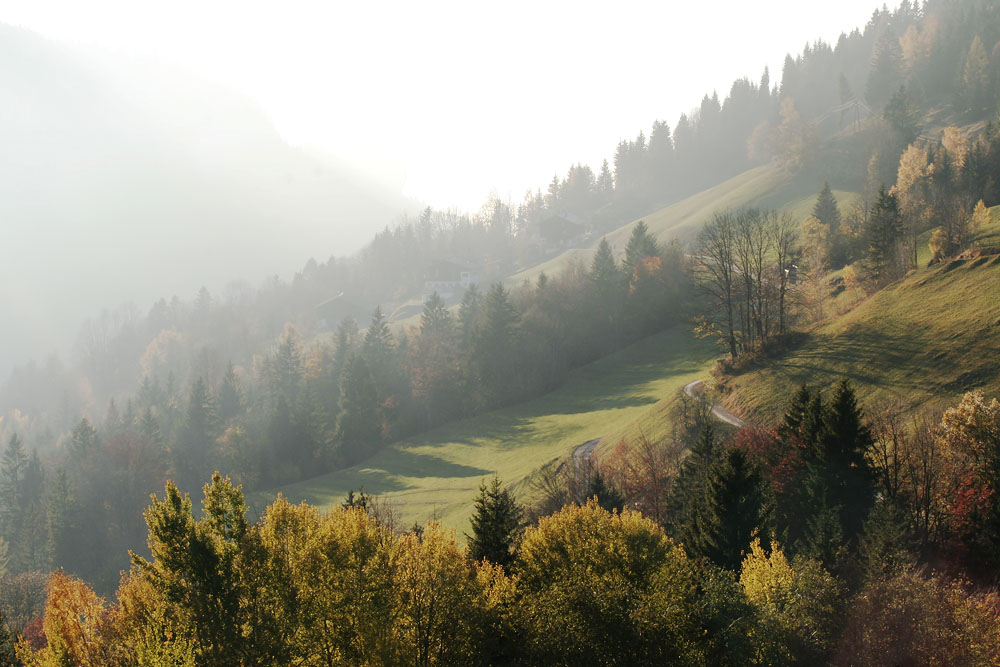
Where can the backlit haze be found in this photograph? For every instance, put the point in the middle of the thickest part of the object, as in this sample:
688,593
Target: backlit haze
439,101
462,97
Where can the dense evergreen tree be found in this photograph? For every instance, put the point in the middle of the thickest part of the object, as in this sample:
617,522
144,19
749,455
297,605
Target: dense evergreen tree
640,246
839,488
495,347
193,446
609,292
883,235
687,496
358,426
902,117
83,440
496,525
230,399
826,210
736,510
469,312
886,70
607,495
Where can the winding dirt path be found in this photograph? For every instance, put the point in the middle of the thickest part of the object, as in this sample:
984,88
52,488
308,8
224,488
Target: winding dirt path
582,454
696,387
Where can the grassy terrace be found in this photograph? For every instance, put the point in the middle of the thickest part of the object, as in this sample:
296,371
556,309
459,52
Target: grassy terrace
437,474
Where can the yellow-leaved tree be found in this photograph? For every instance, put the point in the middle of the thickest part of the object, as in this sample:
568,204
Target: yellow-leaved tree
601,587
797,607
77,628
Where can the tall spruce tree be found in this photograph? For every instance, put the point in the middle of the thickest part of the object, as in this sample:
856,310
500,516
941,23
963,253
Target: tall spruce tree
13,470
736,510
230,397
886,69
83,440
640,245
609,295
604,270
845,442
469,314
883,233
496,525
193,446
825,210
495,348
358,425
688,493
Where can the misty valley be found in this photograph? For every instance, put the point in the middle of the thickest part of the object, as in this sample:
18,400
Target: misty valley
728,397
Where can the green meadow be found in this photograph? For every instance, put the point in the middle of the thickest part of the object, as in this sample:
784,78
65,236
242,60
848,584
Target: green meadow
437,474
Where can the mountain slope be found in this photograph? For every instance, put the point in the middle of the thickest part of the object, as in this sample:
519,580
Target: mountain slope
923,340
766,186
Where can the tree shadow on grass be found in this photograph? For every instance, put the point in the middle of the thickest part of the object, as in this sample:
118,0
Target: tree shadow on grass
863,356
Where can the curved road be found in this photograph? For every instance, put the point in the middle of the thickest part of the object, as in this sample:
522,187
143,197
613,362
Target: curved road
696,387
582,453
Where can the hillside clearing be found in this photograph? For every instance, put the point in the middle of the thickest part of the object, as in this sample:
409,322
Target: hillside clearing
437,474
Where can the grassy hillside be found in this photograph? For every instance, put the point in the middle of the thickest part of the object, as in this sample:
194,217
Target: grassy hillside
764,186
925,340
437,474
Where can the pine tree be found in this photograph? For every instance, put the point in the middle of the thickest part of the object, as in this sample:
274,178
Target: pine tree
358,425
884,230
230,397
13,467
640,246
113,422
735,512
286,368
886,69
688,493
603,269
496,525
976,89
495,348
435,318
436,376
845,442
795,415
605,183
59,521
468,314
902,116
378,343
826,210
83,440
607,496
149,426
194,443
821,535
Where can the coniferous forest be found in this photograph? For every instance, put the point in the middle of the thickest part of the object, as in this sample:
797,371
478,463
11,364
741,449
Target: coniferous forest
835,530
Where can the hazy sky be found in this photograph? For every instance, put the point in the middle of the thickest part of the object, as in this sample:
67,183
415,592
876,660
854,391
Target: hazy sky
462,96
